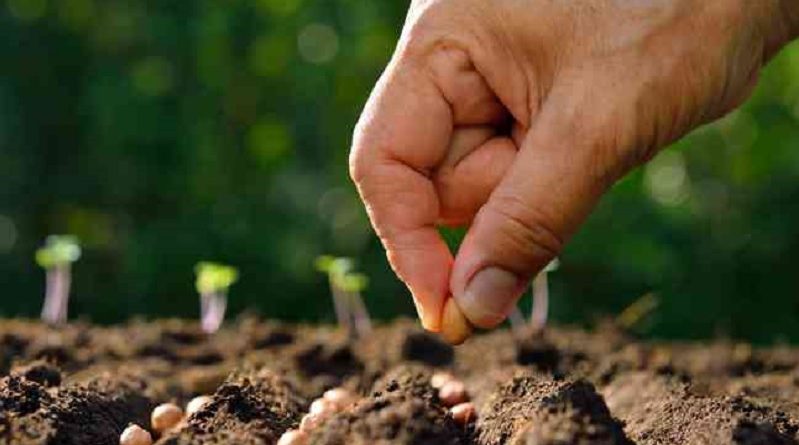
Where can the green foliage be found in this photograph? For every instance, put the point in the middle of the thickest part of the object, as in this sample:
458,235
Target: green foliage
214,277
163,132
58,250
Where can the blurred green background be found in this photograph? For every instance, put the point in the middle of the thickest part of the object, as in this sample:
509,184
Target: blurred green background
163,133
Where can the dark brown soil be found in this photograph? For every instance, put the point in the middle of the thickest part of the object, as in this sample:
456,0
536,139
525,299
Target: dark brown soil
81,384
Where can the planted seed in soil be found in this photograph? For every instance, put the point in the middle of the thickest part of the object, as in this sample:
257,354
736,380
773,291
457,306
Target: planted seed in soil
81,384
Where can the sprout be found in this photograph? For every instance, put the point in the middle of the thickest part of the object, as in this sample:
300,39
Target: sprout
56,257
213,282
540,313
637,311
346,287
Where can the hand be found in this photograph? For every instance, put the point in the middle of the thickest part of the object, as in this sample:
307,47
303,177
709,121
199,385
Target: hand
515,116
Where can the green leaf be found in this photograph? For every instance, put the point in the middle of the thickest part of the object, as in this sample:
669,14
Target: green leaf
214,277
354,282
58,250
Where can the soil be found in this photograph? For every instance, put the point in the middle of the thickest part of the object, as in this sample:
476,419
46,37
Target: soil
83,384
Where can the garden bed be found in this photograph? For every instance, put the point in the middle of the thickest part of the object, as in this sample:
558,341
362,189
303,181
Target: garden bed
80,384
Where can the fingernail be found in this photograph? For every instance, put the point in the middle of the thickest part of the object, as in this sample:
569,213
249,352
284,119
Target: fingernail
429,321
489,296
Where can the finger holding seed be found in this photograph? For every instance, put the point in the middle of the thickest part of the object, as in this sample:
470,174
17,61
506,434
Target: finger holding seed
463,413
135,435
455,328
197,404
165,417
293,437
453,393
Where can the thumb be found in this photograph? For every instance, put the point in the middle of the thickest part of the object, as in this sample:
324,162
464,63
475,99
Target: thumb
558,176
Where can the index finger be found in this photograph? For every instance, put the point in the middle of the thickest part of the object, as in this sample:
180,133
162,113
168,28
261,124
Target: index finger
402,135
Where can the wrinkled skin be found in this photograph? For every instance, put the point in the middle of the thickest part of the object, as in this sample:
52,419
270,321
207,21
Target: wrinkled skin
515,116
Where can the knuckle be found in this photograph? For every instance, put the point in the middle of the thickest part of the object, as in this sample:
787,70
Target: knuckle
526,230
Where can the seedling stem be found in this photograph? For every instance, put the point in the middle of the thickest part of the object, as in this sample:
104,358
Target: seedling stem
346,288
213,282
540,313
56,257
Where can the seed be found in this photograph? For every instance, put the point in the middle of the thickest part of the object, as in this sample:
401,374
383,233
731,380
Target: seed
293,437
463,414
322,407
453,393
196,404
440,378
311,421
455,328
166,417
135,435
340,397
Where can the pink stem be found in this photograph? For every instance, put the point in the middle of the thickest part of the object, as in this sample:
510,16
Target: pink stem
56,300
540,302
363,324
341,307
213,306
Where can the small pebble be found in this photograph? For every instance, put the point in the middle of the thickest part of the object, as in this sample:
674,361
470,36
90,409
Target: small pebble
166,417
196,404
463,414
293,437
311,421
339,396
453,393
135,435
440,378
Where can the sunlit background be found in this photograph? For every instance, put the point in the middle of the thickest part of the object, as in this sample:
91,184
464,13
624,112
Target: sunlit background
164,133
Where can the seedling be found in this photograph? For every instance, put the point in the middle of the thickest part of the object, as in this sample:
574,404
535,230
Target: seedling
346,287
540,313
638,311
213,282
56,258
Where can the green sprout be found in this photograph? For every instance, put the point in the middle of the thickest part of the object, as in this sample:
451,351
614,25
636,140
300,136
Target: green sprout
56,258
346,287
213,282
638,311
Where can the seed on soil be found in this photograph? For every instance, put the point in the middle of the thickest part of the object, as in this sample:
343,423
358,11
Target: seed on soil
293,437
322,407
166,417
453,393
439,379
135,435
455,328
311,421
339,397
196,404
463,413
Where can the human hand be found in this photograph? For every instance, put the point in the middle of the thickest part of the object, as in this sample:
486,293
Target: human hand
515,116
